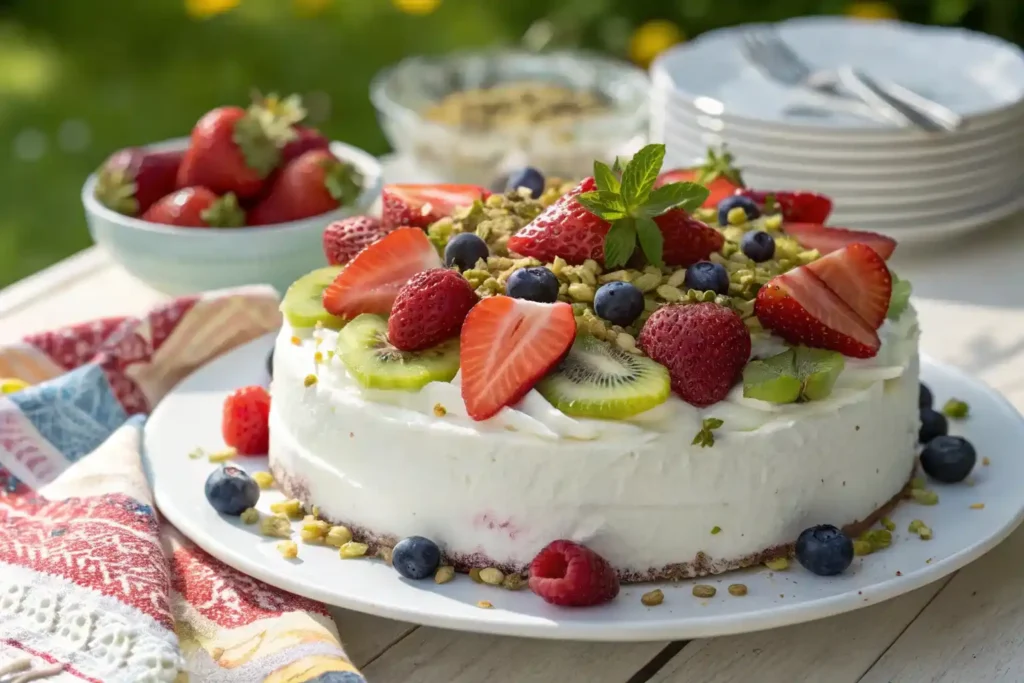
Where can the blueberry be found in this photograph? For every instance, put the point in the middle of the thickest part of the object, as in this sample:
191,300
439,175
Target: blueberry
533,284
270,363
748,205
416,557
706,276
464,250
948,459
824,550
933,424
758,246
527,177
924,399
231,490
620,303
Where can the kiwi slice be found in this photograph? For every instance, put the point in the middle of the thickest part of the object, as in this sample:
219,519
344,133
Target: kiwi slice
303,304
364,348
597,379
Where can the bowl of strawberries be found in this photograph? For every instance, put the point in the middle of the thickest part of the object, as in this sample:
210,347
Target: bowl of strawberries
243,200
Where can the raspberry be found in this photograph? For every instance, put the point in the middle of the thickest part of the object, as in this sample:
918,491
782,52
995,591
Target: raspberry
244,425
430,309
345,238
571,575
704,346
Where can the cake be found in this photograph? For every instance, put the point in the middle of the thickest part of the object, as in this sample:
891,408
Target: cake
701,436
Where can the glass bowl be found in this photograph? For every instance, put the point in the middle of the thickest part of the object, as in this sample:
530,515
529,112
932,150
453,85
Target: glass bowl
561,146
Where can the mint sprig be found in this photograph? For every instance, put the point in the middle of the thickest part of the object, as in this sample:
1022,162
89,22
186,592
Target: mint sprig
900,298
705,437
797,374
628,200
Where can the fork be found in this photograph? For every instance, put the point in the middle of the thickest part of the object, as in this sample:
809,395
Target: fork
771,55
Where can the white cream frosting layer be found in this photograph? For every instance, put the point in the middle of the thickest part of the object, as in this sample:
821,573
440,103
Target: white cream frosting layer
635,491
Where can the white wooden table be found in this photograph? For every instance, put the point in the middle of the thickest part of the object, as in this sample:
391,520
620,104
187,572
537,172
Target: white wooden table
968,628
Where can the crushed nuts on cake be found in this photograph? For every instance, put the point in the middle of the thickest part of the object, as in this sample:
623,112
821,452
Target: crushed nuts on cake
444,574
337,536
288,549
492,576
653,598
352,550
738,589
264,480
703,590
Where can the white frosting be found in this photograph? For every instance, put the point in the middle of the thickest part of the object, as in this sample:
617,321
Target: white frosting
635,491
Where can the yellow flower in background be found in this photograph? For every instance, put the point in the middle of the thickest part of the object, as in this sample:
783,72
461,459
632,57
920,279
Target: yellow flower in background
204,9
311,8
871,10
653,38
417,6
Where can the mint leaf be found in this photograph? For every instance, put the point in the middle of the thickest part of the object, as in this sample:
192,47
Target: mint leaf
773,379
686,196
606,178
606,205
705,438
900,298
617,167
640,175
620,242
818,370
651,240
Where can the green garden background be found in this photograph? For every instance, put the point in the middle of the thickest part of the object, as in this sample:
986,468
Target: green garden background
81,78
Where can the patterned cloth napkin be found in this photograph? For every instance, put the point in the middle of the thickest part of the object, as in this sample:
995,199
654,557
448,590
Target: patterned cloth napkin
94,586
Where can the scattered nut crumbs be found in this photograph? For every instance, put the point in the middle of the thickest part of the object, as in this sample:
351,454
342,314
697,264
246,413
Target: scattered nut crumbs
263,479
977,506
352,550
924,497
861,548
196,453
222,456
918,483
514,582
384,554
985,461
440,410
292,508
484,604
249,516
738,589
474,573
444,574
716,530
653,598
275,525
296,341
703,590
925,533
492,576
956,409
915,525
337,536
888,524
313,530
309,381
316,512
288,549
879,539
705,437
778,564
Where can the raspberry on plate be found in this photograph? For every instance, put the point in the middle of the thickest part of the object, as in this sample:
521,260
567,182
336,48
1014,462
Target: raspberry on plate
571,575
244,424
430,309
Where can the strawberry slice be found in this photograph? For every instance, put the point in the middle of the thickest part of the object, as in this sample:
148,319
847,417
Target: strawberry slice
801,309
370,282
796,207
686,239
506,346
859,276
420,205
827,240
564,229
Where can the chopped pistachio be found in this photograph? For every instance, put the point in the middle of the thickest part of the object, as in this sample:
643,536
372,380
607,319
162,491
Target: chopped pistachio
736,216
861,547
977,506
777,564
291,507
249,516
716,530
773,222
888,524
925,533
222,455
440,410
314,530
275,525
653,598
485,604
703,590
738,589
196,453
474,574
263,479
924,496
492,576
581,292
444,574
918,483
955,408
985,461
915,525
879,539
352,550
288,549
337,536
309,381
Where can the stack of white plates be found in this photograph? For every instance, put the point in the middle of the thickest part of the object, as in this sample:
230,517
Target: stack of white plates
907,182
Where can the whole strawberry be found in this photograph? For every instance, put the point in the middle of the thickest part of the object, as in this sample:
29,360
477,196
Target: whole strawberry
244,423
796,207
686,239
132,179
566,229
306,138
312,184
704,346
196,207
345,238
571,575
430,309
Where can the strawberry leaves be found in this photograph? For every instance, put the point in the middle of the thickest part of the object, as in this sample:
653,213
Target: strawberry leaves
628,200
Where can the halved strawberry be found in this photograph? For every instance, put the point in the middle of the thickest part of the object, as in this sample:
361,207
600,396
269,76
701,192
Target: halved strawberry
798,307
506,346
420,205
566,229
717,174
859,276
796,207
370,282
826,240
686,239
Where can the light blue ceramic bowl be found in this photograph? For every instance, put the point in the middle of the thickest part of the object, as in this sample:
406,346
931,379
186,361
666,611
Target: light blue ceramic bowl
188,260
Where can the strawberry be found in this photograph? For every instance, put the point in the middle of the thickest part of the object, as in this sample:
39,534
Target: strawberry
430,309
858,276
312,184
345,238
506,346
132,179
420,205
827,240
796,207
571,575
244,425
717,174
801,309
305,139
566,229
372,280
704,346
196,207
686,239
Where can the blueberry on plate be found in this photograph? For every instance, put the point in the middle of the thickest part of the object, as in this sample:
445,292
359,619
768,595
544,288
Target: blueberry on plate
824,550
270,363
231,490
533,284
464,250
416,557
528,177
758,246
933,424
620,303
948,459
748,205
924,398
705,276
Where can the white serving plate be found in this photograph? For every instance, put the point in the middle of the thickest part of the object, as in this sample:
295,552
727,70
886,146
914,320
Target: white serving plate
190,416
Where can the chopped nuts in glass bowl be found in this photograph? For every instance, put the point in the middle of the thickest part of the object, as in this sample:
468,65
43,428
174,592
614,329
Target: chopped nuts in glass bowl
470,117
